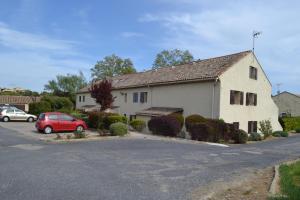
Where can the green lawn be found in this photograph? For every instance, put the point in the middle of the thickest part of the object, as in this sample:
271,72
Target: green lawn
290,181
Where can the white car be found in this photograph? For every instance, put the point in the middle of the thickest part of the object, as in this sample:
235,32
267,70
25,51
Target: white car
14,114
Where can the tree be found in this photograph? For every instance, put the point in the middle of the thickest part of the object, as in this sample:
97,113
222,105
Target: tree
66,85
101,91
111,66
168,58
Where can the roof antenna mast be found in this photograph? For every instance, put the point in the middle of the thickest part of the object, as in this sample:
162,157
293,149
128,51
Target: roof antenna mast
255,34
278,87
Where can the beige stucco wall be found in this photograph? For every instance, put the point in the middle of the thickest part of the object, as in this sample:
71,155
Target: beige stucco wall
192,97
288,103
237,78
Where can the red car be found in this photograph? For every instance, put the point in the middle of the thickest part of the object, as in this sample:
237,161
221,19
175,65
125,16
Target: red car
55,122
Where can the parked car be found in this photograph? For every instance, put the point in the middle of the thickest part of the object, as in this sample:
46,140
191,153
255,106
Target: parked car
5,106
55,122
15,114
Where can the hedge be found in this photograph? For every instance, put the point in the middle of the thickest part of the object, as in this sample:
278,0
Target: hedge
61,104
119,129
291,123
211,130
138,125
179,118
164,125
240,137
37,108
113,118
192,119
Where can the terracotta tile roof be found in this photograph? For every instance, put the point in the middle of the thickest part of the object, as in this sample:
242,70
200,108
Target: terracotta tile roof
207,69
7,99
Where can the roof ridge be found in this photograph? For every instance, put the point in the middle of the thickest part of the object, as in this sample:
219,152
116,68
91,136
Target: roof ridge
195,61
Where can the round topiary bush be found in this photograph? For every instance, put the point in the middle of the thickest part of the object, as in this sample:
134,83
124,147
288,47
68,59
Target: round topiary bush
201,132
297,130
137,124
164,125
280,134
192,119
113,118
118,128
255,137
240,137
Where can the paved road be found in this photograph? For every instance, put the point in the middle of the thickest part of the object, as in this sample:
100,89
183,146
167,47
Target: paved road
125,169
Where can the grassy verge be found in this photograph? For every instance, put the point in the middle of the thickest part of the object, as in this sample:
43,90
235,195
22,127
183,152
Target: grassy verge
289,181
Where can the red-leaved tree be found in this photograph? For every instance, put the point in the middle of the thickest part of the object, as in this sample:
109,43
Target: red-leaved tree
101,91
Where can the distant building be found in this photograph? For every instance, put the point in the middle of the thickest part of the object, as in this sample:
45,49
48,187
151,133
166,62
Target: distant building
21,102
16,89
234,88
288,104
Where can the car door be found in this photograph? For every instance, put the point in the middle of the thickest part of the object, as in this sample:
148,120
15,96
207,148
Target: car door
11,113
67,122
53,121
20,115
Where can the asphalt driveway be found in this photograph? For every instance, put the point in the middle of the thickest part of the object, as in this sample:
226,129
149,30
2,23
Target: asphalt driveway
125,168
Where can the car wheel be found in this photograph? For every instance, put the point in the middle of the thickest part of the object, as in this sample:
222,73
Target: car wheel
47,130
79,128
30,119
6,119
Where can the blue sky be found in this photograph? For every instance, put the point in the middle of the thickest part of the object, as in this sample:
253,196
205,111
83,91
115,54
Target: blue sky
42,38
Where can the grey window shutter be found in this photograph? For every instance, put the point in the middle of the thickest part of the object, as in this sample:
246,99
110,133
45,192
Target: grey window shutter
247,99
255,126
241,98
255,99
249,126
231,97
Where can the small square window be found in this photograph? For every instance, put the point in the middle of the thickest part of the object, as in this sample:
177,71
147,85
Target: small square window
79,98
251,99
252,126
253,73
83,98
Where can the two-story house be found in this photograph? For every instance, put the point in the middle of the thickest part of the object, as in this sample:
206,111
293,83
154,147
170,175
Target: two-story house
233,88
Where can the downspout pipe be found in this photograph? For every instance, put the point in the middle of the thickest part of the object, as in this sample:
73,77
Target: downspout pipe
213,97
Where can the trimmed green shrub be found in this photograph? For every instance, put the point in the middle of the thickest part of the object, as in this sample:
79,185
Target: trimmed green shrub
211,130
113,118
37,108
255,137
192,119
240,137
79,134
280,134
137,124
201,131
118,128
291,123
179,118
61,104
297,130
164,125
265,128
95,119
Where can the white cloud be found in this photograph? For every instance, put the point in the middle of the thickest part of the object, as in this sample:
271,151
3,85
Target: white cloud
209,30
21,40
30,60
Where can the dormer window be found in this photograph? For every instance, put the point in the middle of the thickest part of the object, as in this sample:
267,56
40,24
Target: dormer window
253,73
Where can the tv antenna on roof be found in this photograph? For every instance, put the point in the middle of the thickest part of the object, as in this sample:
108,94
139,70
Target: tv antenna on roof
278,87
255,34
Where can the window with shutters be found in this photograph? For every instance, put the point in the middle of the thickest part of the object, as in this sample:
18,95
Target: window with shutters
253,73
251,99
143,97
79,98
236,97
135,97
83,98
252,126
